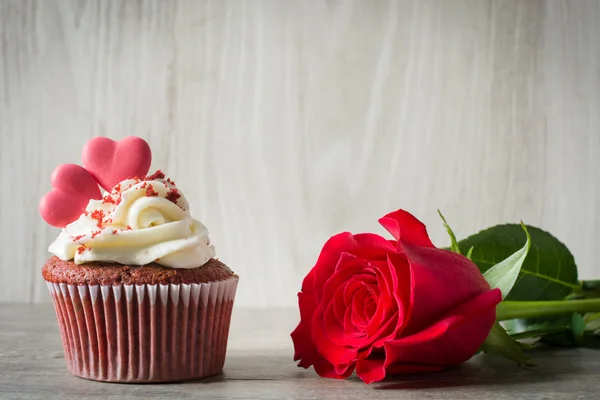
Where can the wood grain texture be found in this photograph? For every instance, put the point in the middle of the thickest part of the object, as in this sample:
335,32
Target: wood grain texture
285,122
259,366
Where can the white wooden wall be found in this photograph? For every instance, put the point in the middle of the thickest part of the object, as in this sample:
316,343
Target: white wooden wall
285,122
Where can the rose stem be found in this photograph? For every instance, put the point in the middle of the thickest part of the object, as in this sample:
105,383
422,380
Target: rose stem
533,309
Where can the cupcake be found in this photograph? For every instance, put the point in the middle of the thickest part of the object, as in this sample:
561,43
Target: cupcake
138,293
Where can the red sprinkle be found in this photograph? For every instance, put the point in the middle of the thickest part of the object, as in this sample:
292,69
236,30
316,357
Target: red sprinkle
98,215
157,175
94,234
81,249
108,199
128,228
114,232
150,191
173,195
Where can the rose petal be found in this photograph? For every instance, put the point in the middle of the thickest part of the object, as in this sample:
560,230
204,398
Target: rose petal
303,345
344,371
326,370
405,228
442,280
308,283
385,331
372,247
331,352
304,348
339,331
336,303
363,305
386,304
339,307
329,258
355,336
370,308
360,282
452,340
351,331
347,266
402,287
306,352
367,244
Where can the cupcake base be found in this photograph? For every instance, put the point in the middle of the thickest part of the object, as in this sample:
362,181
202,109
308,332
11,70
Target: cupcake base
144,333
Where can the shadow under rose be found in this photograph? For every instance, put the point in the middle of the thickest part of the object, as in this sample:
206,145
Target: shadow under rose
552,364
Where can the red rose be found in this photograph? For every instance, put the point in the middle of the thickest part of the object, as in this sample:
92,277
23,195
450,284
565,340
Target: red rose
386,307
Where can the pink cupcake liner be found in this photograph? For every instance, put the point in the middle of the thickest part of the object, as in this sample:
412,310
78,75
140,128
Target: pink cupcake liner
144,333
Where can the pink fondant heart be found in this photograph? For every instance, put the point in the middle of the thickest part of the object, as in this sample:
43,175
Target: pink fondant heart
73,187
111,162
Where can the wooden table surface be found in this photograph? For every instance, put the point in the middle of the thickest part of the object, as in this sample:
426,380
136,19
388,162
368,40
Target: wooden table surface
259,366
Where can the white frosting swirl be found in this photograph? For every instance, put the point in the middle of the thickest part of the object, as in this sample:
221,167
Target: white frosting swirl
137,223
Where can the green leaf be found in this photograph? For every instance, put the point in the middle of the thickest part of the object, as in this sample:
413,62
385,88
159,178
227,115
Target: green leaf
592,321
573,330
500,343
535,333
454,243
548,272
577,333
470,252
522,328
504,274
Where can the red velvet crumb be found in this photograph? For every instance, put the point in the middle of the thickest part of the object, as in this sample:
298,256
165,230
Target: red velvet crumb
76,238
150,191
94,234
173,195
157,175
81,249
